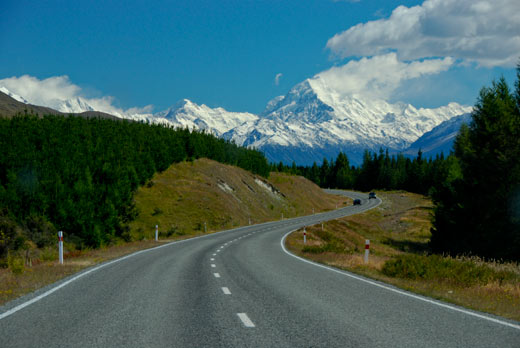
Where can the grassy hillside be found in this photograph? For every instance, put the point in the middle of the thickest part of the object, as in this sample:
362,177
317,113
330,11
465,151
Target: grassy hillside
180,200
187,195
399,232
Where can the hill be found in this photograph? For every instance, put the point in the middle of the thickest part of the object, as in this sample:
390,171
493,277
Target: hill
9,107
188,194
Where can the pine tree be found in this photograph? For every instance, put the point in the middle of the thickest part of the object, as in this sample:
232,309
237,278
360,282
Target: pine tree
478,212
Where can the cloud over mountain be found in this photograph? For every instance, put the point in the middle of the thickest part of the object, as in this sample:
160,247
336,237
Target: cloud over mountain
377,77
486,32
59,93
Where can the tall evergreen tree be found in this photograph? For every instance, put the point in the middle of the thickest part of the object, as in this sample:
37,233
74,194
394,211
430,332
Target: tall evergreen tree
478,212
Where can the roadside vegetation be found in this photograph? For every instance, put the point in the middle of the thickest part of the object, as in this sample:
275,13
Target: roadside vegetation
179,200
400,254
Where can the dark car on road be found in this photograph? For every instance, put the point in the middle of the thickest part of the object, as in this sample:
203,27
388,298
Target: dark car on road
372,195
357,201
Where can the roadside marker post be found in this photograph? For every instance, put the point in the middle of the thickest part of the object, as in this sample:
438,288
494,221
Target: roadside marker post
60,246
156,233
322,226
205,228
282,216
304,236
367,249
249,221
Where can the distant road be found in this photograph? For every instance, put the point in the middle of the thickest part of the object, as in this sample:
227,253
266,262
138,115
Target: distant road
240,288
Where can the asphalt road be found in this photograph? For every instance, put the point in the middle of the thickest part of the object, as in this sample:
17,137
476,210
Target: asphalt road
240,288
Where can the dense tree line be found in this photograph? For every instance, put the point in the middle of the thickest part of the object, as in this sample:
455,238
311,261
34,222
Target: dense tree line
79,175
380,171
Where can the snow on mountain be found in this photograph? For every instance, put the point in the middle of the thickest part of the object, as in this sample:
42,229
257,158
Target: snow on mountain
311,122
439,139
217,121
314,121
13,95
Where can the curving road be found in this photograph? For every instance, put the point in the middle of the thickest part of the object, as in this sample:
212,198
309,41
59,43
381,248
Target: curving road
240,288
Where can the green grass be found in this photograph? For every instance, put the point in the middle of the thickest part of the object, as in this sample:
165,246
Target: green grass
463,273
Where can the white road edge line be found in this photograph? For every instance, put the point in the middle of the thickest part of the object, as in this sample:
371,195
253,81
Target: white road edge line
80,275
245,320
217,275
226,291
444,305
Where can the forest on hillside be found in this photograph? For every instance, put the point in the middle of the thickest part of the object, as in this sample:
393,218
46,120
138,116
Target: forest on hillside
79,175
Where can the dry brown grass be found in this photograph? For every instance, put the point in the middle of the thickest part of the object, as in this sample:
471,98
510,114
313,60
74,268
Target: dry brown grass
401,225
189,194
42,273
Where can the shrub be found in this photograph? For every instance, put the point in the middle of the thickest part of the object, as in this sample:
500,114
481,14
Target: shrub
40,231
440,268
49,254
15,263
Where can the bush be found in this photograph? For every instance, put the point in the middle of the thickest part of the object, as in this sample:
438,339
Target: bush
15,263
49,254
436,267
40,231
10,237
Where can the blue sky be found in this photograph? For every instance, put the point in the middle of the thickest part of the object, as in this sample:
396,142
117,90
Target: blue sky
228,53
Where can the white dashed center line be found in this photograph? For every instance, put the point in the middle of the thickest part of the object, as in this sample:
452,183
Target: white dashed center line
226,291
213,265
212,259
245,320
214,254
216,275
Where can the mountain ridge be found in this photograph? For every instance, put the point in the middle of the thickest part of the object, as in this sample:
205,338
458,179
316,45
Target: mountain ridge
311,122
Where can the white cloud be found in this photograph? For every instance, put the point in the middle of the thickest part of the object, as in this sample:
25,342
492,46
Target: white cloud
277,78
377,77
482,31
60,93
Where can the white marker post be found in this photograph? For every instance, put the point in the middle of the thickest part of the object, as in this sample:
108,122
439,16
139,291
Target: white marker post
367,249
60,246
322,226
250,221
304,236
156,233
205,228
282,216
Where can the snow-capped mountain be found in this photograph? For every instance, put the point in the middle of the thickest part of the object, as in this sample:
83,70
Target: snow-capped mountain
313,121
217,121
439,139
13,95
